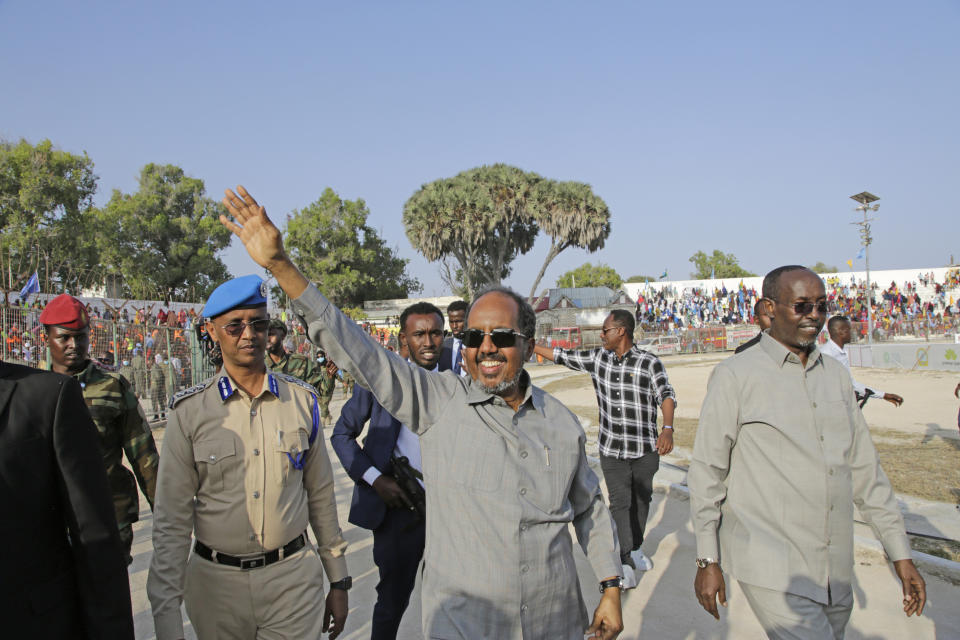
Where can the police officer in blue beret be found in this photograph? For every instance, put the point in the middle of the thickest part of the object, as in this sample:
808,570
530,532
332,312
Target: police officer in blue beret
243,471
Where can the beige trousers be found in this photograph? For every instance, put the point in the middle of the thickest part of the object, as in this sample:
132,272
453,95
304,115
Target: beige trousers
785,616
278,602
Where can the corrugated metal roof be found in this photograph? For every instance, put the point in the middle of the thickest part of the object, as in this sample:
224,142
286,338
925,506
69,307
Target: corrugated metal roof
583,297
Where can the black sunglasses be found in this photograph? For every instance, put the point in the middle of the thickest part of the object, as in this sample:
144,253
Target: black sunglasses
501,338
236,328
803,308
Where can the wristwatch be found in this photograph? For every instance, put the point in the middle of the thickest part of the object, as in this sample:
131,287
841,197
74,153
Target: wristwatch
703,563
612,582
344,584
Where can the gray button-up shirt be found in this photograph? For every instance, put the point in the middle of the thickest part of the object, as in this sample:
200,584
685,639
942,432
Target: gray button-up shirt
502,488
782,454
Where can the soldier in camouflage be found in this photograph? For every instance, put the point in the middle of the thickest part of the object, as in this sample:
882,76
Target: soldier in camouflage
115,410
298,366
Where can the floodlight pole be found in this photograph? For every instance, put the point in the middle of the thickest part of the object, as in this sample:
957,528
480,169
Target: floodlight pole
865,198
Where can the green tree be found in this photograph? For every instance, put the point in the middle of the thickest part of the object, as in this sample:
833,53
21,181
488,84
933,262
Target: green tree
717,265
332,244
487,216
46,217
163,240
820,267
588,275
641,279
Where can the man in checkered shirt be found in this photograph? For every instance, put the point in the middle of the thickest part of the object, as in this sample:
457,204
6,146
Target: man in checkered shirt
630,384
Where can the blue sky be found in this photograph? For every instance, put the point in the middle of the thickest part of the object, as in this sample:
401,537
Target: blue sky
740,126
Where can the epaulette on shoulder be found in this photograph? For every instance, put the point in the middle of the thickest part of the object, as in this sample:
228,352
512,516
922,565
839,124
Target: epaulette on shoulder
186,393
286,377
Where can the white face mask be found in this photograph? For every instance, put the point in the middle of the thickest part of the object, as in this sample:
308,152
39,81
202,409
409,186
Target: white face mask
126,363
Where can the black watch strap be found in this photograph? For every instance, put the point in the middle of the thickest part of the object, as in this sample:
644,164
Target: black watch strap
612,582
343,585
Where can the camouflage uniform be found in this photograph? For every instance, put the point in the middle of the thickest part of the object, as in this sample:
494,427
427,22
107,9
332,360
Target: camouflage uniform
139,379
347,381
122,427
307,370
158,389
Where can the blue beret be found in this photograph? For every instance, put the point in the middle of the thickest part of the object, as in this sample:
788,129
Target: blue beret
240,293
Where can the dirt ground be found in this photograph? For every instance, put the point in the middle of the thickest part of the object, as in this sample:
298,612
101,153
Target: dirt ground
919,443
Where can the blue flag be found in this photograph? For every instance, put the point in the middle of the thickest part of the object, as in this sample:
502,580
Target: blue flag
664,274
33,286
863,251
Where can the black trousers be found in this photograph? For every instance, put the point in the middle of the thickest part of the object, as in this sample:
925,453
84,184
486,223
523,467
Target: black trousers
630,487
397,551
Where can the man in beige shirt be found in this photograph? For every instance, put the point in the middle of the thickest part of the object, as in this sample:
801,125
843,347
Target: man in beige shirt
782,454
242,468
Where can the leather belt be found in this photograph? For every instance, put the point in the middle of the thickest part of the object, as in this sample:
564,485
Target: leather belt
251,562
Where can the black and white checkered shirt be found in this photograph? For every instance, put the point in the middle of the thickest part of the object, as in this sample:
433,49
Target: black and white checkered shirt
629,390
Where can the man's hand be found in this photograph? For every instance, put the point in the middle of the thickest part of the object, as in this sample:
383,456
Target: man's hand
709,586
332,368
391,493
335,612
914,588
665,442
893,399
251,224
608,618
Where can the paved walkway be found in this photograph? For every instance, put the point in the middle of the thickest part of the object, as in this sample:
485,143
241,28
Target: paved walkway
661,607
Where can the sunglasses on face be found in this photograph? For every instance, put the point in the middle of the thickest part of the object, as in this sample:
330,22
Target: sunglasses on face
501,338
803,308
236,328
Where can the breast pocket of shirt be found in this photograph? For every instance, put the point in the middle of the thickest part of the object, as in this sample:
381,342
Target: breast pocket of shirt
835,426
292,448
217,463
558,468
478,459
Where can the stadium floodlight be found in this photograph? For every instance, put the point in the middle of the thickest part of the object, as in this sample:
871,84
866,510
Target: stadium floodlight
865,198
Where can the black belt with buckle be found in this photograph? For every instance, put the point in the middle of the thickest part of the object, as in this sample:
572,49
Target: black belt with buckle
251,562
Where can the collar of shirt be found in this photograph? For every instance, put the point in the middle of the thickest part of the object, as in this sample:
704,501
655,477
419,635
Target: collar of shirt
476,394
436,367
228,387
780,354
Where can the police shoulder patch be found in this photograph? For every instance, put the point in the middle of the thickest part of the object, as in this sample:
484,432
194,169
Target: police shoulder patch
296,381
192,391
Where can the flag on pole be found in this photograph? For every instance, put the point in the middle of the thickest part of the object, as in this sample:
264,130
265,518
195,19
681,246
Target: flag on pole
33,286
863,251
664,274
713,272
850,263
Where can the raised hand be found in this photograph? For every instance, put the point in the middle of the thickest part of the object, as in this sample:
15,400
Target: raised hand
250,223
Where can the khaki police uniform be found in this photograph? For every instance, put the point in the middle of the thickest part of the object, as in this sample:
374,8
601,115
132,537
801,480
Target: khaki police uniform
242,475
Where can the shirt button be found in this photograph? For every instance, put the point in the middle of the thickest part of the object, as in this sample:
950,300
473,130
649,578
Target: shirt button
524,569
814,405
256,452
523,492
256,494
523,454
253,537
213,457
523,527
253,412
821,438
831,471
523,608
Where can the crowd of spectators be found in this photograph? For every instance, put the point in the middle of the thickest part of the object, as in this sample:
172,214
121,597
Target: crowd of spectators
921,308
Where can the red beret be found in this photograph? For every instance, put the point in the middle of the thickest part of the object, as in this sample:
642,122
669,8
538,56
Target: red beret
65,311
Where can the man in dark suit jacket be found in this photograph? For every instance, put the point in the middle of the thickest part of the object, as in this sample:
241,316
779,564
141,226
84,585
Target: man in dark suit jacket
452,345
378,502
63,571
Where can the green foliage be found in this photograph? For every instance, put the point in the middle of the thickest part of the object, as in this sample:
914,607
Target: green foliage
718,265
46,199
331,243
162,241
588,275
355,313
487,216
820,267
641,279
